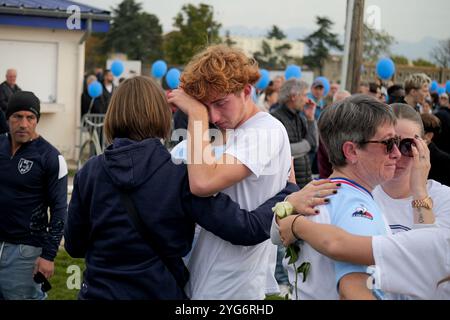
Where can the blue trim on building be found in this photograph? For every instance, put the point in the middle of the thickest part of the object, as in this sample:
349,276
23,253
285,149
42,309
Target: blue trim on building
49,22
52,5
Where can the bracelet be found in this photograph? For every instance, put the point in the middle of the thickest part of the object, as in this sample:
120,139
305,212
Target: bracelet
292,228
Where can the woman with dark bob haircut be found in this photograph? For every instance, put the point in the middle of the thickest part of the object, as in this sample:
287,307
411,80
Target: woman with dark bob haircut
121,261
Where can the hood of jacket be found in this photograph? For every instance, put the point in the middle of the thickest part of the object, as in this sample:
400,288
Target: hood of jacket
130,163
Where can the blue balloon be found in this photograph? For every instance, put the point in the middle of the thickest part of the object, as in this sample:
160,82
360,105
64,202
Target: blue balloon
159,69
117,68
440,90
293,71
326,84
447,86
434,86
264,81
173,78
95,89
385,68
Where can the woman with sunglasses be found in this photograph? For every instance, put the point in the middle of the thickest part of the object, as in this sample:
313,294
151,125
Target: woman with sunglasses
411,263
359,135
410,200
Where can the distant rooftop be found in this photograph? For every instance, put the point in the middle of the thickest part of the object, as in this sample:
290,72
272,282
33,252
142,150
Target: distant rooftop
51,14
49,5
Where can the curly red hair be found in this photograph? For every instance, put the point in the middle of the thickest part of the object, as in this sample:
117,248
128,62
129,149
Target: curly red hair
218,70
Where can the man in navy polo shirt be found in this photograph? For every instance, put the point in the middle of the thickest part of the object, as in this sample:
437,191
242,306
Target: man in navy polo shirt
33,178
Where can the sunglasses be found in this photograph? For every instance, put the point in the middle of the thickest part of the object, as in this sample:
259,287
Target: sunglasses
405,145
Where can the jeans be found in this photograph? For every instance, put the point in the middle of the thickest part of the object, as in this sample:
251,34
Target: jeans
280,272
16,272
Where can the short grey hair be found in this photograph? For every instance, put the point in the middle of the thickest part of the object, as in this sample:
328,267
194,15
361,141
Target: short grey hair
354,119
290,88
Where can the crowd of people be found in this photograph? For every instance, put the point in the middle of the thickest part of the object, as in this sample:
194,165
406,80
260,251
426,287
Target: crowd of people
365,174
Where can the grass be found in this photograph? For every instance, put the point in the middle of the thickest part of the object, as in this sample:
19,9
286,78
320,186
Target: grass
60,290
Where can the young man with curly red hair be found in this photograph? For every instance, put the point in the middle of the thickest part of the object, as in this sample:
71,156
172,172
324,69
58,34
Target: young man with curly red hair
255,165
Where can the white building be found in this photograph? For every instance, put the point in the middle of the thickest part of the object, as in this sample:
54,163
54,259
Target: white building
35,39
250,45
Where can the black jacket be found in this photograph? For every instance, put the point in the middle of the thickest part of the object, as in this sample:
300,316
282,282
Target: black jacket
5,93
440,165
31,181
298,130
119,263
442,140
3,123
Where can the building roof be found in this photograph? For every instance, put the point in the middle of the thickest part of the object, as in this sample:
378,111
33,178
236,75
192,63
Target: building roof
50,5
53,14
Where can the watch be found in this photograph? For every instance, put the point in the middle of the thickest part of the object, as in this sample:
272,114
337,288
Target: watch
426,203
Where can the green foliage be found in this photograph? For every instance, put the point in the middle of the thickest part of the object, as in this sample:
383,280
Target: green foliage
304,270
320,43
195,29
276,33
136,33
400,60
376,44
292,253
276,58
423,63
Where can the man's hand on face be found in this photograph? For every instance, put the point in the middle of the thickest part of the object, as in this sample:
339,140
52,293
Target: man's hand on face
184,102
310,110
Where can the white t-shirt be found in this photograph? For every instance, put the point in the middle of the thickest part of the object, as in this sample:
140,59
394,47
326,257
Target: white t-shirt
220,270
400,215
420,262
352,209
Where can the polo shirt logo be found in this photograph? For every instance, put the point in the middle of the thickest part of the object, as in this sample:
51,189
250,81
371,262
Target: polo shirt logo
362,213
24,166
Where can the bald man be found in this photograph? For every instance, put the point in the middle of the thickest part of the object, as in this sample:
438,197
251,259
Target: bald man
8,88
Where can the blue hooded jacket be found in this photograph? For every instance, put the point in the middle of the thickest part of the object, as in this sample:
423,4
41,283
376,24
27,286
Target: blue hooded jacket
119,263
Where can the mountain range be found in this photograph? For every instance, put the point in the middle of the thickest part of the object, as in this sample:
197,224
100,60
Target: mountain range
411,50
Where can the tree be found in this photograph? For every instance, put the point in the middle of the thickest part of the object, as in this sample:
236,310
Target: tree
441,54
400,60
320,43
274,57
228,41
423,63
376,44
136,33
95,56
276,33
195,29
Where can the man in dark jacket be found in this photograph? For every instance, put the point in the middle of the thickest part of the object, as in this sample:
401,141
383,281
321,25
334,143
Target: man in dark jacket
302,132
8,88
33,178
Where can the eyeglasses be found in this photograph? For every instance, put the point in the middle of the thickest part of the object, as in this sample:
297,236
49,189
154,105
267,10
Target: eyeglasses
405,145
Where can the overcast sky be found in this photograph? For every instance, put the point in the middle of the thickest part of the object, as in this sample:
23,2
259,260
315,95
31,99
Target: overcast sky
406,20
